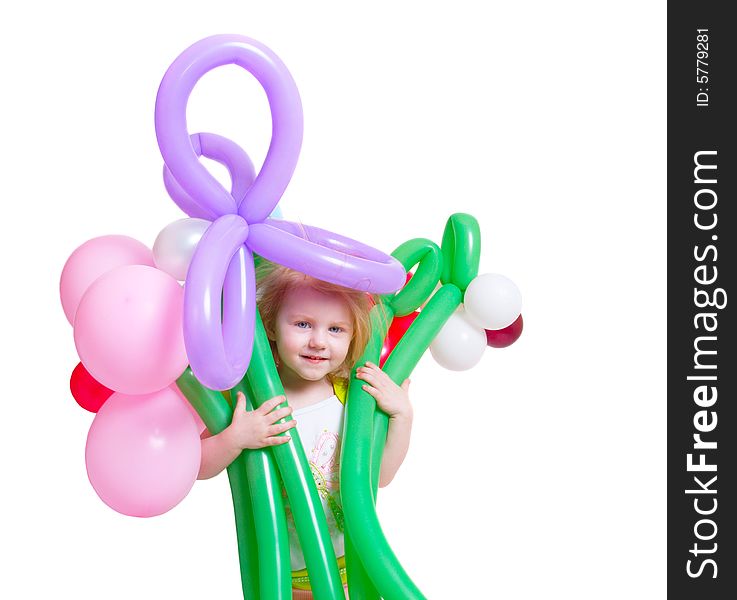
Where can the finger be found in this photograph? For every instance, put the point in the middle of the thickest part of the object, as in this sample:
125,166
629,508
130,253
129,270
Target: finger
405,384
371,390
278,414
362,374
240,403
269,405
368,376
376,370
280,428
276,441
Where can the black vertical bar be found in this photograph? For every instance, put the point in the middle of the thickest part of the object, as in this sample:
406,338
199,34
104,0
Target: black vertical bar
702,560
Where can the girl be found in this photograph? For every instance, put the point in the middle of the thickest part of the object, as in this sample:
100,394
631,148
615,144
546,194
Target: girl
318,331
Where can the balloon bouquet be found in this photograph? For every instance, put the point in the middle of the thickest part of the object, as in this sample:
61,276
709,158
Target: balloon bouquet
156,355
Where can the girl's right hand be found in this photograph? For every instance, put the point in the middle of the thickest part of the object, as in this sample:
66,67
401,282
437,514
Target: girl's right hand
258,428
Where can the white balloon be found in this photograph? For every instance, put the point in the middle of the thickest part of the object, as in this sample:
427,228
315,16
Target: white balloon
492,301
460,344
175,246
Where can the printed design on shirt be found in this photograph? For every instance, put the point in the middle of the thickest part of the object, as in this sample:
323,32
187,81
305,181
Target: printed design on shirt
325,466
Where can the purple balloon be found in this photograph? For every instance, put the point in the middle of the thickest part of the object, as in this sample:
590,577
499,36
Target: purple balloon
227,153
219,353
219,343
286,115
317,252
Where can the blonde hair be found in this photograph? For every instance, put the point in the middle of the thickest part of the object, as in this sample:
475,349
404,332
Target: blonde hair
273,283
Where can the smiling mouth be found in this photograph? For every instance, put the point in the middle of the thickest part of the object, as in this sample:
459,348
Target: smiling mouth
313,358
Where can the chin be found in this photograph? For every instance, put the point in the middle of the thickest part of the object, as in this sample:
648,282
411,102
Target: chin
314,376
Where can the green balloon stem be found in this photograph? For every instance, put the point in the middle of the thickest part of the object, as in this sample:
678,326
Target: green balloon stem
408,352
428,258
245,529
211,405
304,501
216,413
362,525
377,558
360,586
264,489
461,249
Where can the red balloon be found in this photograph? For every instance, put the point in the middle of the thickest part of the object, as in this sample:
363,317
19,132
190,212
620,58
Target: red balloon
397,329
501,338
89,393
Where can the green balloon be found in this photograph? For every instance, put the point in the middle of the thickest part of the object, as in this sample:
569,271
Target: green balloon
426,255
366,426
407,353
264,488
461,250
211,405
245,529
216,413
309,518
382,566
360,585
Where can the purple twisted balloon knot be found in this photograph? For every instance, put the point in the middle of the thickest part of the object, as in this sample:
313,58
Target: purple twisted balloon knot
219,341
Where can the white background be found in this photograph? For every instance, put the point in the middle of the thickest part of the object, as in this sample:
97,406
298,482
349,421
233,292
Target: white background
539,473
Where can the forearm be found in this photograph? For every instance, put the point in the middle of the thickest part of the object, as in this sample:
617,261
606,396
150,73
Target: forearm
217,453
395,449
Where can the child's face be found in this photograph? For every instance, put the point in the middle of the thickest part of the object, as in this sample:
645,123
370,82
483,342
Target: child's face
313,332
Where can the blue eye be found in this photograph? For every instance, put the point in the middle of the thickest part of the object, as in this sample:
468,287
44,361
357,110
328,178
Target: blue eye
302,324
336,329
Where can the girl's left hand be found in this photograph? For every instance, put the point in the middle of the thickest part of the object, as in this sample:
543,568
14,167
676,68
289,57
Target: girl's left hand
391,398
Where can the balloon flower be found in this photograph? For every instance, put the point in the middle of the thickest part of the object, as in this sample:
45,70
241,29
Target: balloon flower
156,356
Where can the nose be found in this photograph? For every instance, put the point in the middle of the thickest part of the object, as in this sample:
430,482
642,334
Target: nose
317,339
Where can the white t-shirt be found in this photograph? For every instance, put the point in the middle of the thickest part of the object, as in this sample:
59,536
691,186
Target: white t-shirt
320,428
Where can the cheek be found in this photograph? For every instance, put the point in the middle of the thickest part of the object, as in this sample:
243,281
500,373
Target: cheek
342,348
287,340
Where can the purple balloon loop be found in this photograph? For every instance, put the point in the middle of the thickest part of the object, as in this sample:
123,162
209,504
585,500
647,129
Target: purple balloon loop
286,110
219,341
227,153
327,256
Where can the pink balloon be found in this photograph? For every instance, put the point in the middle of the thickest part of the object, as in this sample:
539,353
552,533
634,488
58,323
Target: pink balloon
143,453
94,258
128,330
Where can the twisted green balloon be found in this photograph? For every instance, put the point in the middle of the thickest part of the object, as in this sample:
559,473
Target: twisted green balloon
264,486
373,569
263,546
217,414
309,518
